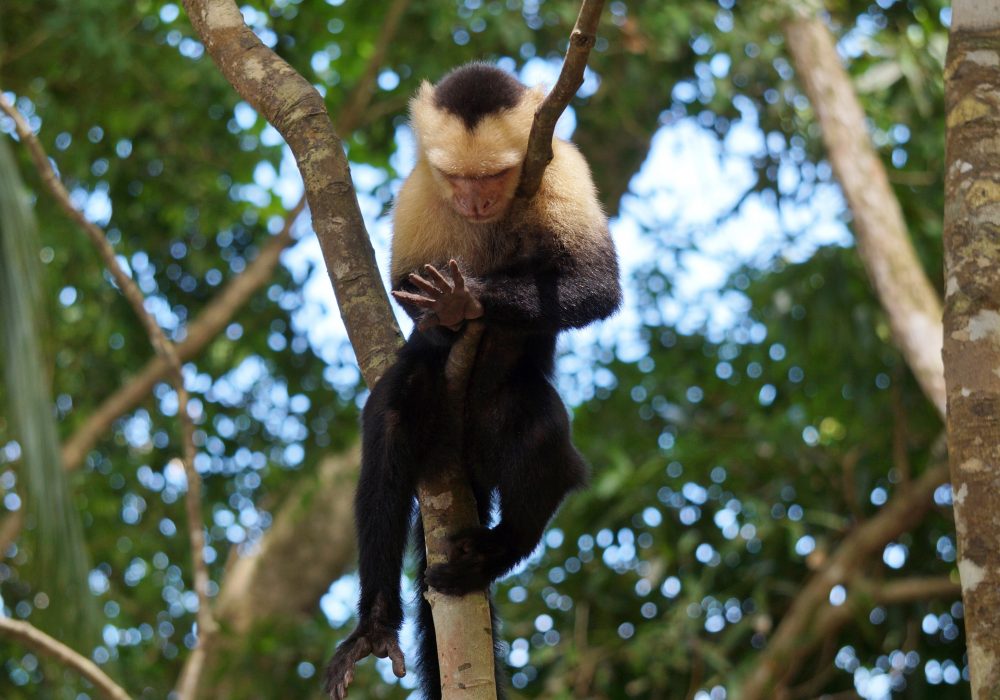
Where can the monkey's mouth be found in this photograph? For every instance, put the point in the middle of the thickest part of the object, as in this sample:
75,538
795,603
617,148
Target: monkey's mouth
483,218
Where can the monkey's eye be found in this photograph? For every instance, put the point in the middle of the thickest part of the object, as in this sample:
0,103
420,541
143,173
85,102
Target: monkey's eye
497,176
454,177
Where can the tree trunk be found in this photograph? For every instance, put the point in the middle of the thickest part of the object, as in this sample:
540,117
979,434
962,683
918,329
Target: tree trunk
972,323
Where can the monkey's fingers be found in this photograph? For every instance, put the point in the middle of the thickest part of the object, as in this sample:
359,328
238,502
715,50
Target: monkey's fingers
433,291
415,299
398,662
456,275
340,671
390,648
441,279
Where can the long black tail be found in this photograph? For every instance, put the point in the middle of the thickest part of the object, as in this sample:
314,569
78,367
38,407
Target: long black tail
427,659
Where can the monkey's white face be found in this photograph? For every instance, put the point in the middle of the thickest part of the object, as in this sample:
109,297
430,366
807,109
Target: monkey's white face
481,199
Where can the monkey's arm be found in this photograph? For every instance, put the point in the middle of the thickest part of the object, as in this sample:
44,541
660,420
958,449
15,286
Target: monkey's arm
555,291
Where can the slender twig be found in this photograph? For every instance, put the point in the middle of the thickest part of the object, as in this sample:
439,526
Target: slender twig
35,639
539,152
361,96
130,290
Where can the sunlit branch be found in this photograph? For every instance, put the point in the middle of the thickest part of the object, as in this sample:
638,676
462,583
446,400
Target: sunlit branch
912,307
539,152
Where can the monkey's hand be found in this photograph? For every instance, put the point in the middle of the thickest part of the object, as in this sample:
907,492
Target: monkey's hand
475,559
368,638
447,303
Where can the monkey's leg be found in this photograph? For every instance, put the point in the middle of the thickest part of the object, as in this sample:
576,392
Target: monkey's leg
535,465
392,424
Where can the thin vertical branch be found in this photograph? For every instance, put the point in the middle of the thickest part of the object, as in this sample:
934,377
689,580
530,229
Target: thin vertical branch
130,290
539,153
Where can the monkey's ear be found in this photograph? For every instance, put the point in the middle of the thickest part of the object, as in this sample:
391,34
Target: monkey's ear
535,96
422,103
424,116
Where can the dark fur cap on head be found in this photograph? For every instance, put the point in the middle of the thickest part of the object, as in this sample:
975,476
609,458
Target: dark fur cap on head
475,120
476,90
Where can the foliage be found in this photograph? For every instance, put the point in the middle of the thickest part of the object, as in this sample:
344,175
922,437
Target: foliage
791,425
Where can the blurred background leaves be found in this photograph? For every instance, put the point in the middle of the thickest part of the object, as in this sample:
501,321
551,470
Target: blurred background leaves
742,416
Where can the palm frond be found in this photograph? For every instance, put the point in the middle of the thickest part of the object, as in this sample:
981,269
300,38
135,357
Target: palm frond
60,553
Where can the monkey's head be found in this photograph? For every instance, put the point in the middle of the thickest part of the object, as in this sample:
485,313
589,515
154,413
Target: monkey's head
472,127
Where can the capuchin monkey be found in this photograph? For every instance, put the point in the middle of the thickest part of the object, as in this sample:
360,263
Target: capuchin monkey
461,252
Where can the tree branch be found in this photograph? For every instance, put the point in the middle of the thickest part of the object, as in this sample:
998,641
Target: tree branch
910,302
791,640
862,594
218,313
298,112
35,639
130,290
539,152
447,506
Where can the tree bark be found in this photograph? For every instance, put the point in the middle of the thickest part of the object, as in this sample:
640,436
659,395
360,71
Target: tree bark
909,300
462,625
972,323
218,313
294,107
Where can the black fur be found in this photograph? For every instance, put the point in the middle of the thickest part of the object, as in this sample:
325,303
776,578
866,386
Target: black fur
516,442
476,90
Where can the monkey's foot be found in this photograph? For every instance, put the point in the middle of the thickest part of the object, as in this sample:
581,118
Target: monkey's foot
473,563
366,639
